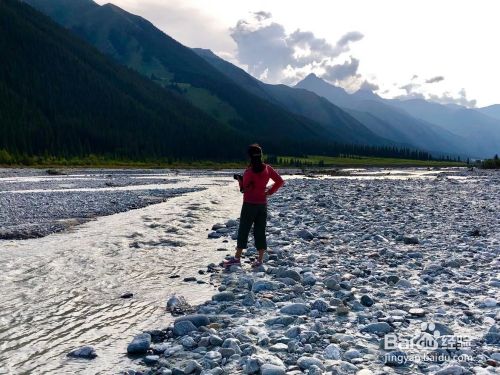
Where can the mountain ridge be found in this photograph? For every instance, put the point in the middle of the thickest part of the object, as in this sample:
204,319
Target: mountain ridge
423,130
137,43
301,102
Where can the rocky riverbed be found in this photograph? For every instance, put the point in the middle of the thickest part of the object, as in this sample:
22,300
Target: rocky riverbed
363,276
36,203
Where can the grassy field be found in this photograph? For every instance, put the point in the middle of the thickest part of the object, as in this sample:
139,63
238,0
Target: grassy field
364,161
284,162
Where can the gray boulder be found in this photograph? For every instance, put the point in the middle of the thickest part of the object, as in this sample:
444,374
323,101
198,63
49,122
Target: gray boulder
492,337
140,344
308,279
192,367
198,320
223,297
294,275
306,362
305,235
264,285
295,309
366,300
252,365
184,327
87,352
151,360
332,351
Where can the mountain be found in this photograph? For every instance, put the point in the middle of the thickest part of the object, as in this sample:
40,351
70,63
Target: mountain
334,94
492,111
136,43
300,102
482,132
61,97
385,120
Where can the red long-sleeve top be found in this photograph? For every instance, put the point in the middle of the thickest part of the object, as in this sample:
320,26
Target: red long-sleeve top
254,185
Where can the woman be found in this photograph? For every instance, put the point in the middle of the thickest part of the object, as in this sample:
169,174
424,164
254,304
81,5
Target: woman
253,185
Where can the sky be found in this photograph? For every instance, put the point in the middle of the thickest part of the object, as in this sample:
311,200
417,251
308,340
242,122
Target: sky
442,50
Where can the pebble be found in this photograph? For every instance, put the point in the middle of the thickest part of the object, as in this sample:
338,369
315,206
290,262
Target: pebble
381,327
411,240
198,320
184,327
320,305
140,344
192,367
295,309
351,354
332,283
305,235
306,362
366,300
223,297
418,312
492,337
488,302
453,370
309,279
332,351
392,279
279,347
86,352
264,285
269,369
291,274
252,366
151,360
188,342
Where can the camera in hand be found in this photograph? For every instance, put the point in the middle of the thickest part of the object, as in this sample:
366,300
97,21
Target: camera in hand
238,177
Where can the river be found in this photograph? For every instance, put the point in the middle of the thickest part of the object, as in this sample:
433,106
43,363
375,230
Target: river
63,290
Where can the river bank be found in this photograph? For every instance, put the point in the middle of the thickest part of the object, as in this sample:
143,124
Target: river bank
359,272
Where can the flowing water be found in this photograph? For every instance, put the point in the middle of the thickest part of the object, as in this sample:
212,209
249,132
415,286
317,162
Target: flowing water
63,291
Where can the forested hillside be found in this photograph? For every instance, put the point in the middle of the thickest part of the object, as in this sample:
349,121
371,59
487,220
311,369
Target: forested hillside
59,96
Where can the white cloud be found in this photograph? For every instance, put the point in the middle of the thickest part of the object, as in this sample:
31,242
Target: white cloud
420,90
271,53
435,79
460,98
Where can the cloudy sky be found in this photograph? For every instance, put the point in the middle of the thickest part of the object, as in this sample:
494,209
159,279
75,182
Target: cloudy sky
442,50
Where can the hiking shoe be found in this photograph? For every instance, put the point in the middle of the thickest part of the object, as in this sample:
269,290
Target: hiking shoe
232,262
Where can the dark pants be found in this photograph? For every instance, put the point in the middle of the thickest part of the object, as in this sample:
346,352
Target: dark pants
256,215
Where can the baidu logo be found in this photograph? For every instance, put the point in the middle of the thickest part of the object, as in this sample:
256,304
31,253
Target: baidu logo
428,338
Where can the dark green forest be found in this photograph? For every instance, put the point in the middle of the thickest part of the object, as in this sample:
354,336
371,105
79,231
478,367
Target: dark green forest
61,98
493,163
